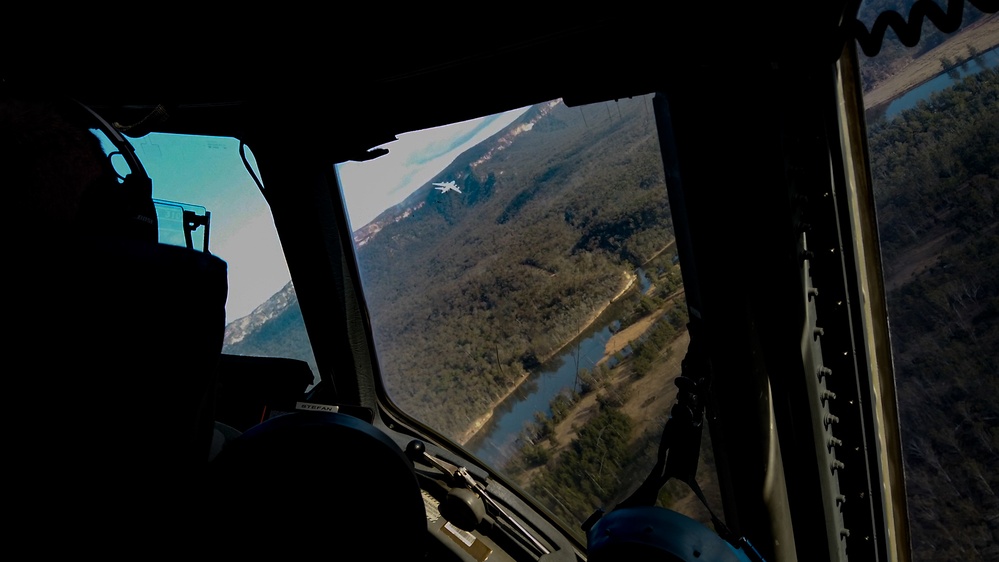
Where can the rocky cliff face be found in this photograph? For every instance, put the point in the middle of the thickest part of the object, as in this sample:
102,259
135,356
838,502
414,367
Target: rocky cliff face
493,146
238,330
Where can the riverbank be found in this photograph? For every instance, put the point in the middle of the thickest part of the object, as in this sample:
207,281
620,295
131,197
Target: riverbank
625,336
629,280
980,37
647,402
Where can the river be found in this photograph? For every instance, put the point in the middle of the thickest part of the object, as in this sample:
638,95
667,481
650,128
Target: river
496,442
988,59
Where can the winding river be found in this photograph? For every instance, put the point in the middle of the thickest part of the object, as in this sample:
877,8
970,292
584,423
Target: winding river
988,59
497,441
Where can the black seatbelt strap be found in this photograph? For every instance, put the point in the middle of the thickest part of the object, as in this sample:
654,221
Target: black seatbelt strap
680,445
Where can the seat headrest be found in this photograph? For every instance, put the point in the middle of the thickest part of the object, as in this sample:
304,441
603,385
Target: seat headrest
326,474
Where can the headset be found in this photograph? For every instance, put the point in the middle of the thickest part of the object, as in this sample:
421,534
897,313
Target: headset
115,205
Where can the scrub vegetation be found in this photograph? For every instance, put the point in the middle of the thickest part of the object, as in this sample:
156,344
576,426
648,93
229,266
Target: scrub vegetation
936,178
894,57
472,291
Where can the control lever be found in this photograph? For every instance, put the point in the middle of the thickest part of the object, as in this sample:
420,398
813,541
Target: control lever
417,450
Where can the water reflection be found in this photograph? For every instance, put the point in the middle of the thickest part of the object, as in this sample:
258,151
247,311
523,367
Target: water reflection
496,442
988,59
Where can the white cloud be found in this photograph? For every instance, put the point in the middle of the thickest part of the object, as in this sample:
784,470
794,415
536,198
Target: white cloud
413,160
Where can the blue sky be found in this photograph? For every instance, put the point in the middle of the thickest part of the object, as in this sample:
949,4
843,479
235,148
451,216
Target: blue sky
208,171
413,159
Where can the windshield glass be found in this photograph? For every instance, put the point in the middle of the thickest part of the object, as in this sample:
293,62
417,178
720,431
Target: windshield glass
525,295
933,127
207,177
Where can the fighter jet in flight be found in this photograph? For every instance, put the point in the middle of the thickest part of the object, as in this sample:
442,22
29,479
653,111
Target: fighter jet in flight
444,187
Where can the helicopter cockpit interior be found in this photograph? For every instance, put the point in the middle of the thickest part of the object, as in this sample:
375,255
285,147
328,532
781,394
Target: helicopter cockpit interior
699,283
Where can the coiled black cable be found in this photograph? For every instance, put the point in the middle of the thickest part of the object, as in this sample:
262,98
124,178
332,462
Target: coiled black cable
908,31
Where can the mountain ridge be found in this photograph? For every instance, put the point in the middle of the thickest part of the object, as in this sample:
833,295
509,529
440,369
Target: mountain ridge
238,330
416,200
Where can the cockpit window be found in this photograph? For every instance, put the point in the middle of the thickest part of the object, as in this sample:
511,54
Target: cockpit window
933,125
525,295
203,180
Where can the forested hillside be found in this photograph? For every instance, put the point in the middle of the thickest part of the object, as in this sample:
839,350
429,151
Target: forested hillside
472,290
274,329
936,174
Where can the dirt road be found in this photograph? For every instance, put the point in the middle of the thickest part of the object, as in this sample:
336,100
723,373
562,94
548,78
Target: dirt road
624,337
982,36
